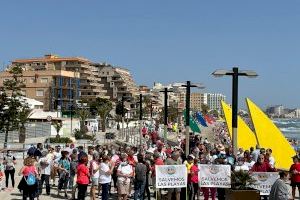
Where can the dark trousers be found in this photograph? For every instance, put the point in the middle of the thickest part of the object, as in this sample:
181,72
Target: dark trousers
12,177
30,196
139,188
81,191
193,190
147,190
105,189
44,178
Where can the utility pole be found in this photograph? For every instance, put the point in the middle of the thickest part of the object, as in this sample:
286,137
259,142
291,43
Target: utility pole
187,120
141,117
166,91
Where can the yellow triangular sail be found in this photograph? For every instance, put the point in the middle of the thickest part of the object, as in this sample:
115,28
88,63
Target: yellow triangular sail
269,136
246,137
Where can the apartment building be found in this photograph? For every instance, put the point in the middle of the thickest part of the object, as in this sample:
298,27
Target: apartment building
59,81
53,87
197,100
214,101
117,81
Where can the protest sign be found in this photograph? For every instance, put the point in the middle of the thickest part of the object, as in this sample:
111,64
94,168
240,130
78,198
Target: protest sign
171,176
264,181
218,176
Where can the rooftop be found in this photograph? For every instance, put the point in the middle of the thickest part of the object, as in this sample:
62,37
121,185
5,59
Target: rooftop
51,58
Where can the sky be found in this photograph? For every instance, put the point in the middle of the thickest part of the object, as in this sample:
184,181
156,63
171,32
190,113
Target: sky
168,41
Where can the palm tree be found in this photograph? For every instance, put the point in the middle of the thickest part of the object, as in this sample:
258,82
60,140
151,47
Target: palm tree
102,107
24,115
83,114
57,125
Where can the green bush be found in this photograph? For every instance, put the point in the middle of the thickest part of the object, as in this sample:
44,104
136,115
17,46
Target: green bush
81,135
60,140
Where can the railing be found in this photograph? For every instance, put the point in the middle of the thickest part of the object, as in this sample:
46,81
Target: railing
131,135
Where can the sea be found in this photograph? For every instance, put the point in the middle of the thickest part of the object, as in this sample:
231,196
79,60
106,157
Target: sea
289,127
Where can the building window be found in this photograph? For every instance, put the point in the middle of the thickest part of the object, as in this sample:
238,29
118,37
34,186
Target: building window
44,80
40,93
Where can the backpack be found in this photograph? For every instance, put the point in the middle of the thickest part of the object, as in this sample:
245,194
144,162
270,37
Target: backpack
31,179
140,172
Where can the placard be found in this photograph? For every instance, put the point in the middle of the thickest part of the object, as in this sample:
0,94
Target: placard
264,181
171,176
218,176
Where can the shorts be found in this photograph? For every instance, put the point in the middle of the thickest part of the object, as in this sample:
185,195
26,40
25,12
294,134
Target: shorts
95,181
295,184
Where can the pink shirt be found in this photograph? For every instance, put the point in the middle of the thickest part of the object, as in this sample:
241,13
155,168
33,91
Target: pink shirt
83,174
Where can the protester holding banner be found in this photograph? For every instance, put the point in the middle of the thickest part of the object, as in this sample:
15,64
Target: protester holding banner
157,161
174,160
262,166
193,181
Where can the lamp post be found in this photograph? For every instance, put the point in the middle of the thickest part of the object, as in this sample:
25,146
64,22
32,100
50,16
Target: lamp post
141,117
124,98
187,109
235,73
165,91
71,113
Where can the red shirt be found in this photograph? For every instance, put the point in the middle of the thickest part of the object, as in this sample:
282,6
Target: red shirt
83,174
29,169
158,161
295,177
193,177
131,161
265,167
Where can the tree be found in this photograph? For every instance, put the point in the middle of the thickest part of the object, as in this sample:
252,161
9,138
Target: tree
83,114
24,115
102,107
204,109
172,115
57,125
214,113
11,102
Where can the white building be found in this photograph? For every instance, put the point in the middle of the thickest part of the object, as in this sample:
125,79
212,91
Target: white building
214,100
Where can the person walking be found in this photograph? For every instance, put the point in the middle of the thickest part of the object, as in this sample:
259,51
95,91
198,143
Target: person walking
64,173
124,173
28,184
105,176
44,169
94,172
140,178
9,162
83,177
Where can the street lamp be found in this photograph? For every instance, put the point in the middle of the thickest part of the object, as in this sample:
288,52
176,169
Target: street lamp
123,99
187,109
166,91
235,73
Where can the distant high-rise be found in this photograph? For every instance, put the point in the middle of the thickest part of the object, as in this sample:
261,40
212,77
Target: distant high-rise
214,101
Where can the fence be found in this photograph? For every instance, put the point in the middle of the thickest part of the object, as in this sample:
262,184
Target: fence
132,136
33,130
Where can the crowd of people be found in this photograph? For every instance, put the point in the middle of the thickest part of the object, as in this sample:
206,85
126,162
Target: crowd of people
130,170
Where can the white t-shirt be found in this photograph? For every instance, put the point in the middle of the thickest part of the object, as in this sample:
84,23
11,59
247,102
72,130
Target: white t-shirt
272,161
45,170
95,166
126,170
104,178
243,167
